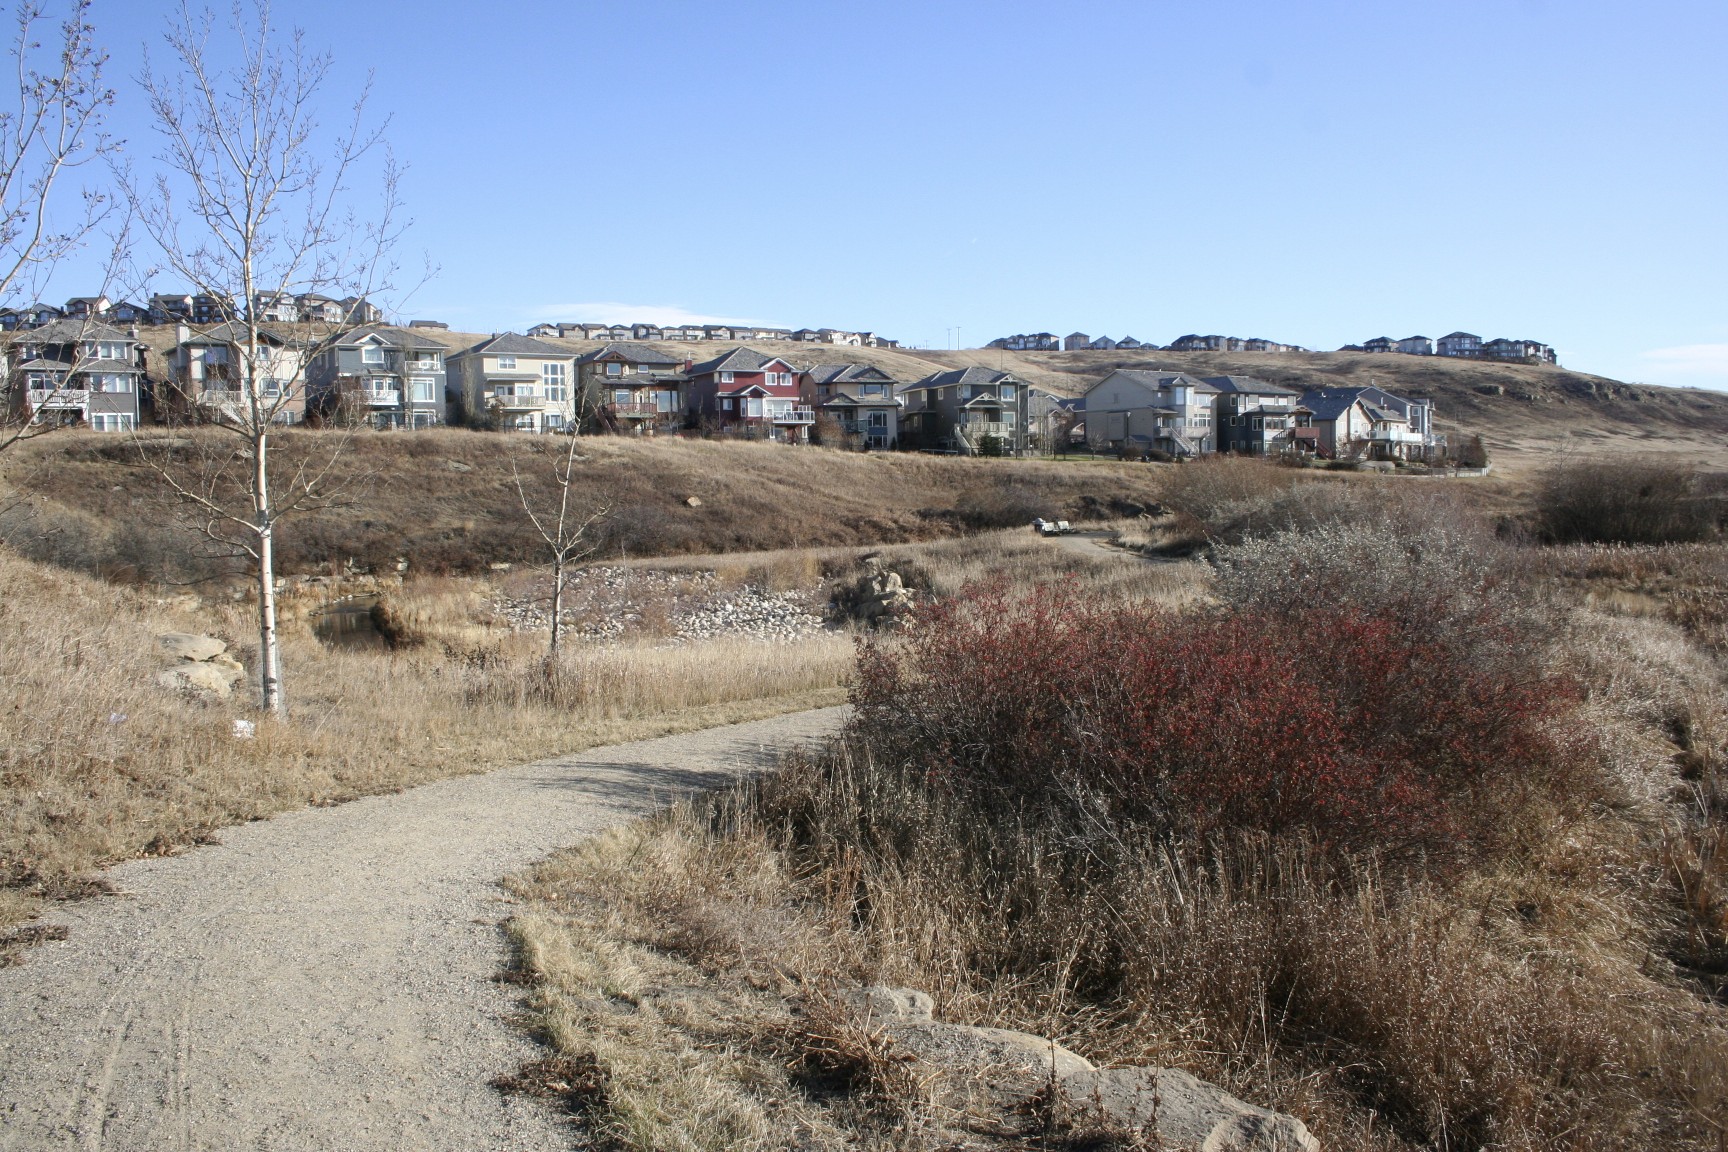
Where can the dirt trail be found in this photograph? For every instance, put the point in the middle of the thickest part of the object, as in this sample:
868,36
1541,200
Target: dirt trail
324,979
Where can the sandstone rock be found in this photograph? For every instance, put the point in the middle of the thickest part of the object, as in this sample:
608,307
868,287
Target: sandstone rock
188,646
224,660
693,501
458,466
195,678
998,1079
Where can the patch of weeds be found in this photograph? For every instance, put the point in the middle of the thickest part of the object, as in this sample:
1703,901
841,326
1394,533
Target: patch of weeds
575,1083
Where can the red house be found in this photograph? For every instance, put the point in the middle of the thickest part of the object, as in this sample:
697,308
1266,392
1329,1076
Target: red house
749,394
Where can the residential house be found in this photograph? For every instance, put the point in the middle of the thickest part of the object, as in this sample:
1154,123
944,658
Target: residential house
747,393
1261,344
275,307
165,308
719,332
516,383
958,408
428,324
1048,416
543,330
1521,351
208,308
1101,344
1075,341
1462,344
72,371
1367,423
1253,417
1416,346
647,332
126,312
1028,342
684,332
861,398
208,379
87,308
1380,344
317,308
1131,343
359,310
384,376
1193,343
30,316
632,388
1139,411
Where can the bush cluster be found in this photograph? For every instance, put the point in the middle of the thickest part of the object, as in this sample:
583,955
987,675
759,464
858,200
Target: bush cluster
1631,502
1393,723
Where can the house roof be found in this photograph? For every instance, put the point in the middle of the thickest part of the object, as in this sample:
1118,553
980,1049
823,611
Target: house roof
1155,379
848,374
1457,335
68,331
394,337
634,353
1248,386
510,344
1330,403
974,376
230,332
737,360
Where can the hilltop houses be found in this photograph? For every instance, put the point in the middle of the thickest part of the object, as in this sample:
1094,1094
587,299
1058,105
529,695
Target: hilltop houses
207,378
512,382
75,371
633,388
1138,412
380,375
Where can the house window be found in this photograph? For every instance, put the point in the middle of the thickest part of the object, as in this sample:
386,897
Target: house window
372,354
506,362
726,405
422,388
108,350
552,376
878,421
1007,391
725,377
110,421
613,368
554,421
111,382
621,396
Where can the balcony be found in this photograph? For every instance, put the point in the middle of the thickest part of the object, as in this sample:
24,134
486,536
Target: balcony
638,410
49,398
999,428
516,400
383,397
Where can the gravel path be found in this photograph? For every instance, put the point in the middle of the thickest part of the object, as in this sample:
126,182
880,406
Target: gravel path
324,979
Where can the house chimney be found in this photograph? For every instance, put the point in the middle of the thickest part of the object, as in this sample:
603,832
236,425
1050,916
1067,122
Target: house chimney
182,333
132,331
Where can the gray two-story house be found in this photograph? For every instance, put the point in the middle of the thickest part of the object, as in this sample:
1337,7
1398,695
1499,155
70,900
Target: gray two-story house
380,375
1141,411
77,371
1253,418
960,408
859,398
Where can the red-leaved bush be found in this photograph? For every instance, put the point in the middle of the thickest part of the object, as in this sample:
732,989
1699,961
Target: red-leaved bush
1339,722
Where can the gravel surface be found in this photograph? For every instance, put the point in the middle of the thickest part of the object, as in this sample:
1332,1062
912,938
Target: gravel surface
324,979
608,603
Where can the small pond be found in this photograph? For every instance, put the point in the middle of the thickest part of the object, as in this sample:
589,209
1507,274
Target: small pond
348,623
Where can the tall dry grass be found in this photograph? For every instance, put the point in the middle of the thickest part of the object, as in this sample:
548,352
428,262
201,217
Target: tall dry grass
99,763
1564,991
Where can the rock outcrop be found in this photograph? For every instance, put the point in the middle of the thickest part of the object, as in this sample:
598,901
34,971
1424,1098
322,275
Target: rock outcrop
202,665
1002,1079
878,597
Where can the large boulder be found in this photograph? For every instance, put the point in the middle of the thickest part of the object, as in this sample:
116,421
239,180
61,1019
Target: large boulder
217,680
999,1078
190,646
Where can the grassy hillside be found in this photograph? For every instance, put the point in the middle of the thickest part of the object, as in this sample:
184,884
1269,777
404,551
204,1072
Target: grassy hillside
446,501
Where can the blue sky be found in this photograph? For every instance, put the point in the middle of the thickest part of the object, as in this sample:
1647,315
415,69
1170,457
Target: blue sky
1317,173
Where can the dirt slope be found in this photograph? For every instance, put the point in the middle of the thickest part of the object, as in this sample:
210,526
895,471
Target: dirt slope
323,980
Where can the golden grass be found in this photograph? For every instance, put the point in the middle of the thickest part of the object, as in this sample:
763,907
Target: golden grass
1568,995
98,763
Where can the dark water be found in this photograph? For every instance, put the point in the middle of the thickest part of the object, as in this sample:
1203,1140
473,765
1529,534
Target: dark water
347,623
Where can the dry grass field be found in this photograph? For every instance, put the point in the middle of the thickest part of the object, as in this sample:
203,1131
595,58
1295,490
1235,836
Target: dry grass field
445,501
1553,980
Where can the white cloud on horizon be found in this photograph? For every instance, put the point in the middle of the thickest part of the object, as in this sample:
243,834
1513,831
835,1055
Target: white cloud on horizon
1693,361
613,312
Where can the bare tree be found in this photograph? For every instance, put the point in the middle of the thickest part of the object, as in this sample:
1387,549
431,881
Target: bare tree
251,208
52,129
565,528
